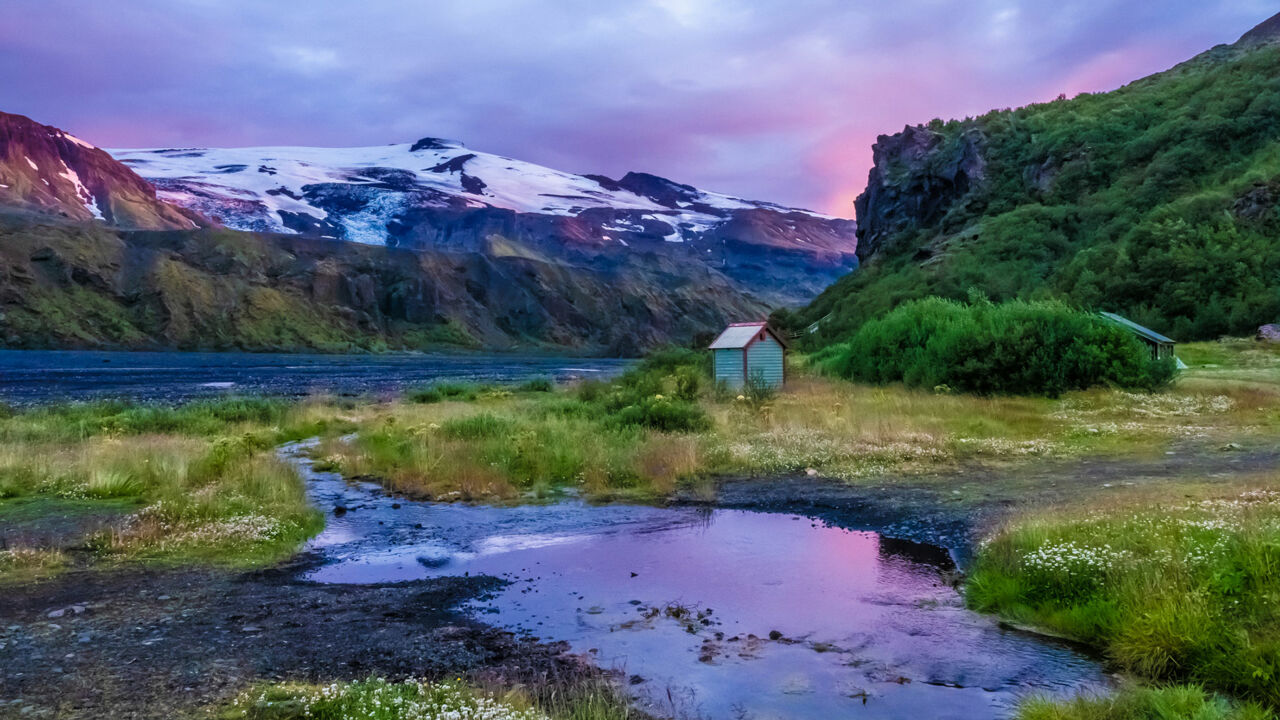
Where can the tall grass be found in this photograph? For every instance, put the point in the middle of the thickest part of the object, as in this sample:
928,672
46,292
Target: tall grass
76,421
203,477
1183,590
1185,702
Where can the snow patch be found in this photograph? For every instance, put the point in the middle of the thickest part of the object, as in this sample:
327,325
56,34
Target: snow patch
79,142
82,192
32,163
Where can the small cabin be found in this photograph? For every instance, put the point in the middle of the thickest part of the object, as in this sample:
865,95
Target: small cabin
750,351
1161,346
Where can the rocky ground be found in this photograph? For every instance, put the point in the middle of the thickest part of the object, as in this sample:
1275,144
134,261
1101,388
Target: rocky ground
169,643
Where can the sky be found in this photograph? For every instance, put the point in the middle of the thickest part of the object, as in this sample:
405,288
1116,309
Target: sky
774,100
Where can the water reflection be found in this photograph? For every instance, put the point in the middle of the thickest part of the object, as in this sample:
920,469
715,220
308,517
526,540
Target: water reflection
719,612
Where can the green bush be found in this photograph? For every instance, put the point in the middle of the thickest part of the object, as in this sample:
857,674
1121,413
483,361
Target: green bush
1030,348
661,413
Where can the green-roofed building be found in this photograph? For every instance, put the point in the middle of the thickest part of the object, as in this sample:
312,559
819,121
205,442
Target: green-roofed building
1161,346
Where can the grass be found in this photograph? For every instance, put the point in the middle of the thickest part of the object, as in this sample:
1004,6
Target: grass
1187,702
202,479
377,699
1182,589
664,425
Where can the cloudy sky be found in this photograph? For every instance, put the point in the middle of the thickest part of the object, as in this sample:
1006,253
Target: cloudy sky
769,99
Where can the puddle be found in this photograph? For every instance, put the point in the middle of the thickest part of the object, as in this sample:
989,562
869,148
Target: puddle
712,613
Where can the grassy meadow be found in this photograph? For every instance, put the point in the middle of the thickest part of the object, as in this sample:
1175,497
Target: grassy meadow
201,482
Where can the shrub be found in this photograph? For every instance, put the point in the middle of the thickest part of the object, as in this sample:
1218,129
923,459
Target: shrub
688,381
661,413
1028,348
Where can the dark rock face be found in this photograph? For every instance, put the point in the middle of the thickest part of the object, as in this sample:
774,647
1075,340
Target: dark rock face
916,177
658,189
1267,32
46,170
430,143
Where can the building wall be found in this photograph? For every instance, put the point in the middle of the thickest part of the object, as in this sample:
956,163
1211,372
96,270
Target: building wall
765,357
729,367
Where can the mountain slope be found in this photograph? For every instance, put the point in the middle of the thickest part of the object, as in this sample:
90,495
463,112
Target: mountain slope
1158,200
68,284
45,169
437,194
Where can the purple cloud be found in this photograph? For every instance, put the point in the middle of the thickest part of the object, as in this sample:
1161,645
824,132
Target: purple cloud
775,99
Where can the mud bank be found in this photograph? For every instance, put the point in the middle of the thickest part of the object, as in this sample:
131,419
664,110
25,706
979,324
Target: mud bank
162,644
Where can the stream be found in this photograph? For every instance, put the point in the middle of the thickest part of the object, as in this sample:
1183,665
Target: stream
707,612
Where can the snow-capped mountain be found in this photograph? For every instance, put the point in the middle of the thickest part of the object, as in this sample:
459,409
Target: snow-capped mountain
413,246
47,170
438,194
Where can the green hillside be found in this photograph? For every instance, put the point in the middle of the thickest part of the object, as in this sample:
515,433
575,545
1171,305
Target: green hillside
1160,200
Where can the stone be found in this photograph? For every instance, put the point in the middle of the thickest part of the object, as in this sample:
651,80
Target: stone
1269,333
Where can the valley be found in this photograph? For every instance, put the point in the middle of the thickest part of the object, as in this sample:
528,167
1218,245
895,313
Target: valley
295,425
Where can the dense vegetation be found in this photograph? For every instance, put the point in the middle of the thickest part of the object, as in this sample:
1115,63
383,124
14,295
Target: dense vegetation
1160,201
1186,591
1031,348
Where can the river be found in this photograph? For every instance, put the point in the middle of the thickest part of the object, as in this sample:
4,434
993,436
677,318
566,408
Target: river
711,613
30,377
